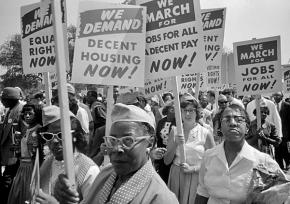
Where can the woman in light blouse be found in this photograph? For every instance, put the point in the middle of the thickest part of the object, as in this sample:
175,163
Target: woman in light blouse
226,170
183,177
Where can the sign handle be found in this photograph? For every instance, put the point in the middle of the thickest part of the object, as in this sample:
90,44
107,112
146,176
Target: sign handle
178,118
110,104
197,85
61,62
258,116
47,83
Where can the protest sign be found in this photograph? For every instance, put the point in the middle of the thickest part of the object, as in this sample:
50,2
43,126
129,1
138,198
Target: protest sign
213,21
286,78
188,81
110,44
174,40
258,66
37,39
156,86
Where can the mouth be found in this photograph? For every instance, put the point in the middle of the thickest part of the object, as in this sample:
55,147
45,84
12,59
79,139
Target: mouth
118,162
234,130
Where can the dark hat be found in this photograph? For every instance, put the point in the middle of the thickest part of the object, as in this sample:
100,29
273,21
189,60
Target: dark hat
11,93
130,113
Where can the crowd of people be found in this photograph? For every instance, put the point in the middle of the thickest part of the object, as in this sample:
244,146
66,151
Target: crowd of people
223,148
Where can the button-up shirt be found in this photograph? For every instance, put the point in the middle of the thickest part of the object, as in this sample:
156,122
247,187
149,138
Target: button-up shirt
224,184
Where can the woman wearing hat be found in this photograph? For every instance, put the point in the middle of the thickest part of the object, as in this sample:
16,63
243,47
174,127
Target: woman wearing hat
130,178
183,177
85,169
266,137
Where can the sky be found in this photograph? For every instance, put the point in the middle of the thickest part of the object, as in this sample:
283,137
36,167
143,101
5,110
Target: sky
245,19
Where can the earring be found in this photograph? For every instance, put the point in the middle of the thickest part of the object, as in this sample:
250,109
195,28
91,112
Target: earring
74,139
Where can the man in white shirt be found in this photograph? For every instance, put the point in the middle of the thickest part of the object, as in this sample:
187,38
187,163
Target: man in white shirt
273,116
229,93
79,112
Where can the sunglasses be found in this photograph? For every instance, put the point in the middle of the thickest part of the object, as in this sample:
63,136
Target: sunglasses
49,136
223,102
127,142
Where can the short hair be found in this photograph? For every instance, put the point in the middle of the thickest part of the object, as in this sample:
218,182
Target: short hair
241,109
167,94
92,93
264,107
195,104
37,110
166,109
211,93
227,91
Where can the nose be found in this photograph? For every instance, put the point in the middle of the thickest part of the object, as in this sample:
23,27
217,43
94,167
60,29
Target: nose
118,148
232,121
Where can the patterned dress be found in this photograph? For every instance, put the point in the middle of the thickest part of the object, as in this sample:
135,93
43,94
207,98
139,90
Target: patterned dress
20,191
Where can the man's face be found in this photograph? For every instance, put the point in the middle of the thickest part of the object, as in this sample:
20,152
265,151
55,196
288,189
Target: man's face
277,97
229,95
203,101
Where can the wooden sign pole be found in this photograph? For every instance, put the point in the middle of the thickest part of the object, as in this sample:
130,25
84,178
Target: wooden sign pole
61,62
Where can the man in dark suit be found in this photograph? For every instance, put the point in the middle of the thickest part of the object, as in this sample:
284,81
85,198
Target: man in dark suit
10,99
283,150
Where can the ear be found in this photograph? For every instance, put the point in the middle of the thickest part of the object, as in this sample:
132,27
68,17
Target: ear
151,141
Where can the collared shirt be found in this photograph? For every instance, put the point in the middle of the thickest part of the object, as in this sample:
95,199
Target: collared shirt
83,117
224,184
273,117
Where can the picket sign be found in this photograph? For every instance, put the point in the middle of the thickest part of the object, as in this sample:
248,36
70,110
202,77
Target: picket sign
47,83
62,63
178,118
197,85
110,104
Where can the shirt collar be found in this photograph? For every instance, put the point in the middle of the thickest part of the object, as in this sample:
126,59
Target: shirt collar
246,153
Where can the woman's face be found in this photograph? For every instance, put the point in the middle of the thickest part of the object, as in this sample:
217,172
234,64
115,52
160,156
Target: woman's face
126,161
188,113
29,116
233,125
55,145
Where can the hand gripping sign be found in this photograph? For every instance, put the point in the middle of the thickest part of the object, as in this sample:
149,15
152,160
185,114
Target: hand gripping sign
258,66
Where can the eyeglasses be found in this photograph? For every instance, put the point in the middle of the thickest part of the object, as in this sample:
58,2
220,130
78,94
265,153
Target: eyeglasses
49,136
189,110
223,102
127,141
237,119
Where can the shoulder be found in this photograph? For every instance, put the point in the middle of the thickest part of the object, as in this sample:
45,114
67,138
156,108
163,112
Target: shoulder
160,191
213,151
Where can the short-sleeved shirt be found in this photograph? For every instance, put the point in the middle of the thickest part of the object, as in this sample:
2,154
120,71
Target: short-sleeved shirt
229,185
